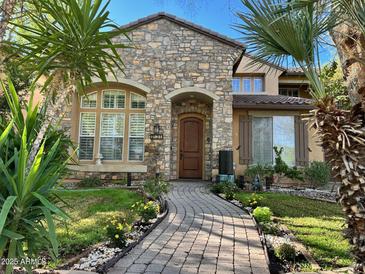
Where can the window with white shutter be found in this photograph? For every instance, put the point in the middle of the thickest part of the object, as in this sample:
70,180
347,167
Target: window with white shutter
136,136
89,101
111,135
112,125
113,99
87,135
137,101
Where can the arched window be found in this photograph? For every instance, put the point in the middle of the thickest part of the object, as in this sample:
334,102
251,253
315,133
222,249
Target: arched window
112,126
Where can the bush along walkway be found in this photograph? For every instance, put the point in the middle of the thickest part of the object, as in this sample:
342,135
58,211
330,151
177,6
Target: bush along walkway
201,234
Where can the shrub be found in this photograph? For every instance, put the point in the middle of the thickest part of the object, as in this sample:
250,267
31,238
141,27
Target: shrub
286,252
117,231
253,201
229,190
270,228
217,188
318,173
90,182
147,211
281,168
262,214
260,170
156,187
28,202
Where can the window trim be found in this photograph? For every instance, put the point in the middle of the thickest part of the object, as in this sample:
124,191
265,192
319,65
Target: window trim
127,110
112,89
252,79
129,136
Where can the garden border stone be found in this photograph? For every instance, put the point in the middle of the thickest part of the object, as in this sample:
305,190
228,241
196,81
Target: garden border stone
110,263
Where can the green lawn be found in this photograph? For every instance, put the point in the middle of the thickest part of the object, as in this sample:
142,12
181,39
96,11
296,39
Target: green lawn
316,224
89,211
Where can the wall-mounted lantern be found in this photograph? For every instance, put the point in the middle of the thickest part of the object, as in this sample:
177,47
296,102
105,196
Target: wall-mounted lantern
157,133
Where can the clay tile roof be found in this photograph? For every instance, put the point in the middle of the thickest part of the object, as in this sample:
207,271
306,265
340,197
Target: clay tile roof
162,15
271,102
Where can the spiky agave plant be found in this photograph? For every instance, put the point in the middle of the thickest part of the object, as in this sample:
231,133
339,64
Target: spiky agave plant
27,202
280,29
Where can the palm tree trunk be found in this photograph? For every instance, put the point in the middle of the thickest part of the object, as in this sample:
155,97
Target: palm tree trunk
6,11
350,44
54,113
343,140
349,162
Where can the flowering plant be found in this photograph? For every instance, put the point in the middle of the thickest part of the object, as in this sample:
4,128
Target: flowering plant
147,211
117,231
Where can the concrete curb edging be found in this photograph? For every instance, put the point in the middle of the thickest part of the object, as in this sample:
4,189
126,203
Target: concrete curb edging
109,264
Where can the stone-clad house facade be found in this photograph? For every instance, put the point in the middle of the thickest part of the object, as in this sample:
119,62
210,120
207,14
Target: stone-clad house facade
172,108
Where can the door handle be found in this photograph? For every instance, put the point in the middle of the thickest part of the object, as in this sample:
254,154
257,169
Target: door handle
181,155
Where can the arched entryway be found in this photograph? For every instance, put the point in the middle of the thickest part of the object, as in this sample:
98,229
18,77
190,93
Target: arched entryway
191,148
191,133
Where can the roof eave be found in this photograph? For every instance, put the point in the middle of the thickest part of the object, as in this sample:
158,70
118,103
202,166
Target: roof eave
215,35
273,106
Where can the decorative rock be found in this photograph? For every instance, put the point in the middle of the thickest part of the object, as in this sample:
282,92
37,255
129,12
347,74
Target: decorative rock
308,193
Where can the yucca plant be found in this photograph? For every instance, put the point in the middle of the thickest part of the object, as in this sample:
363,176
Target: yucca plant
280,31
70,42
28,204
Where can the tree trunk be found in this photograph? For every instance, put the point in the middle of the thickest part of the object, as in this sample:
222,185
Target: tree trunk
350,44
54,112
7,8
343,139
342,144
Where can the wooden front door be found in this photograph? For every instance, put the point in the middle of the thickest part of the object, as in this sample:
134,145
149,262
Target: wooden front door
191,148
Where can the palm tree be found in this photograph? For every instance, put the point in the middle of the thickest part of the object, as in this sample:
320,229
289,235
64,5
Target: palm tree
70,42
280,31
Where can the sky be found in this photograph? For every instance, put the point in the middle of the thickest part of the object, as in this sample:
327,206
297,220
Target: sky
217,15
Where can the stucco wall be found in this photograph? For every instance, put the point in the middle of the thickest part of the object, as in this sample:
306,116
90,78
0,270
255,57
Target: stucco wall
315,152
271,74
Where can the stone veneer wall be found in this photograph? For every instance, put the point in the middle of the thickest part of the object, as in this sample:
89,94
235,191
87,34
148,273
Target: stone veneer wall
191,106
167,56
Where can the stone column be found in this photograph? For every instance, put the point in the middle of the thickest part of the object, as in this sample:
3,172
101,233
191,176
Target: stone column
222,129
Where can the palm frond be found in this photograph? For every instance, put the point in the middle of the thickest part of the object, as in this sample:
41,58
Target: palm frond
72,36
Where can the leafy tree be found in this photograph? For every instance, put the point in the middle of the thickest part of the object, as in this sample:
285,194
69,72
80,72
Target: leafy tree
334,84
282,30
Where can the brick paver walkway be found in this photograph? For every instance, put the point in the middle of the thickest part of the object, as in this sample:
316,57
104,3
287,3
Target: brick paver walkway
201,234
